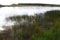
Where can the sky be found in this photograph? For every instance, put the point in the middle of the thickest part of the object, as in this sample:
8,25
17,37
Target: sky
8,2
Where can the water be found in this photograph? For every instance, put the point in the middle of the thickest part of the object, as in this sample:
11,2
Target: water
27,10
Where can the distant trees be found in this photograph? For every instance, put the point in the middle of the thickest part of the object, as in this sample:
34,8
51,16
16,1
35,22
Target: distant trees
1,5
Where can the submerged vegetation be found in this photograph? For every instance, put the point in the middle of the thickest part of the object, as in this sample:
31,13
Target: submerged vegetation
37,27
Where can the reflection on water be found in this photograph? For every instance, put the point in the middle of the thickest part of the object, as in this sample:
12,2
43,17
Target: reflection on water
31,10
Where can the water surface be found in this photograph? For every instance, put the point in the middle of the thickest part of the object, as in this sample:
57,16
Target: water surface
26,10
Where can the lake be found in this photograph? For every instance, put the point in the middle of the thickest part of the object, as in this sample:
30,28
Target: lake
26,10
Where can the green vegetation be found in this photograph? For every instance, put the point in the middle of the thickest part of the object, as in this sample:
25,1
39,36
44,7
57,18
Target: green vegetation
34,27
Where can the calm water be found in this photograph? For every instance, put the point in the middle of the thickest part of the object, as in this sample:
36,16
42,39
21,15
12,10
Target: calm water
30,10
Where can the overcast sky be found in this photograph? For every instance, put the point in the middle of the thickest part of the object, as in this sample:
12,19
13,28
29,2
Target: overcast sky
7,2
